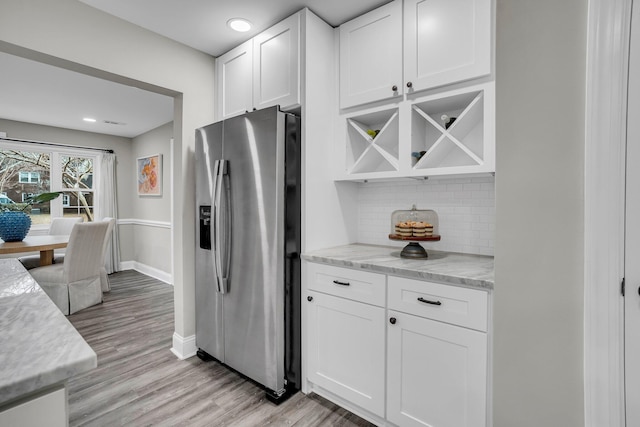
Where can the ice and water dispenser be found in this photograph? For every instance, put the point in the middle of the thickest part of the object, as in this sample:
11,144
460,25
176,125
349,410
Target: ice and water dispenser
205,227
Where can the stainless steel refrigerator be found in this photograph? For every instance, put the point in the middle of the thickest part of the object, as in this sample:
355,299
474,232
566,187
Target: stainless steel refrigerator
247,247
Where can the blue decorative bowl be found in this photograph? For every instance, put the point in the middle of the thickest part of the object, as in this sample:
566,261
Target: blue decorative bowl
14,226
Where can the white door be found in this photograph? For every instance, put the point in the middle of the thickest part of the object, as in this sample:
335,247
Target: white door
632,239
345,343
276,76
234,72
437,373
446,41
371,56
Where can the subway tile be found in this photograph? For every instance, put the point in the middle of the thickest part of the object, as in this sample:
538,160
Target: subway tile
465,207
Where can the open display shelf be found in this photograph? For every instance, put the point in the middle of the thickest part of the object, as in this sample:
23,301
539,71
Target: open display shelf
461,144
415,141
366,153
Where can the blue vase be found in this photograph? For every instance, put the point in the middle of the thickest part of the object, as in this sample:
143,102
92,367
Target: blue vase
14,226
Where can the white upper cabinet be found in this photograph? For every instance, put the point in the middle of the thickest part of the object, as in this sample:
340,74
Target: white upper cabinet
371,56
261,72
446,41
276,77
234,70
427,112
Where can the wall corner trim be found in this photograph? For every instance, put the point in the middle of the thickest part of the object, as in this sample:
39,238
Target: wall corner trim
184,347
608,35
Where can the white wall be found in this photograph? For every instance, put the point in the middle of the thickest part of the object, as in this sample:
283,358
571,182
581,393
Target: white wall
73,35
465,208
538,310
149,228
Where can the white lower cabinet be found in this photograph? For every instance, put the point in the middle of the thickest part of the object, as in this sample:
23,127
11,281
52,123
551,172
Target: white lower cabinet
346,349
436,373
418,357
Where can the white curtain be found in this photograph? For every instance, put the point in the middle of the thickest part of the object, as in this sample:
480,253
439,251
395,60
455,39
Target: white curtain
108,196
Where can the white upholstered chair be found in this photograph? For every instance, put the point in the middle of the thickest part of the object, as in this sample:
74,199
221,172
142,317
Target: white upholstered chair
58,227
104,277
76,284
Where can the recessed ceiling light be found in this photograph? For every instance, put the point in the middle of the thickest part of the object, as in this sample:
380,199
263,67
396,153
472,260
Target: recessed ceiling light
89,119
239,24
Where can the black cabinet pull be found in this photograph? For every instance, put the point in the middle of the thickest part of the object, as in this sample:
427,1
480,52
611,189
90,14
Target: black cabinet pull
309,298
426,301
394,88
392,320
337,282
409,85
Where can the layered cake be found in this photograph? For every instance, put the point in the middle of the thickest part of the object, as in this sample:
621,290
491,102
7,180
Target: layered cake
404,229
422,229
414,229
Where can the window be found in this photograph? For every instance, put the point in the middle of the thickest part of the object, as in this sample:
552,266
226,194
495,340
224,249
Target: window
23,173
26,173
26,197
29,177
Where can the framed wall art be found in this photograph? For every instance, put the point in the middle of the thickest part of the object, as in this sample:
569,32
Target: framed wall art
150,175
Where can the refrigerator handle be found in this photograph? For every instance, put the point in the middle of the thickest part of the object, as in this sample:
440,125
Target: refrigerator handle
229,222
217,261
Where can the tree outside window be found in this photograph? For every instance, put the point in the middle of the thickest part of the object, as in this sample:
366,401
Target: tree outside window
77,175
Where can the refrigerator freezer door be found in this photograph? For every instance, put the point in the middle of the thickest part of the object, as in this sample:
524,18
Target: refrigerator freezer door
254,303
209,319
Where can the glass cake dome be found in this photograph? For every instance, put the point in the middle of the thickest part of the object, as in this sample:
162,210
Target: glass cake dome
414,225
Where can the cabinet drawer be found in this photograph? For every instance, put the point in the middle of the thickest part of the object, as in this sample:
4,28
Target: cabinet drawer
356,285
446,303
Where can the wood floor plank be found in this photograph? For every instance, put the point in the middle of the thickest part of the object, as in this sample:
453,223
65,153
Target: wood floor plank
139,382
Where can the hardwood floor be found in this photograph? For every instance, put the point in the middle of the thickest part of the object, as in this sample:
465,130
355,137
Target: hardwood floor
139,382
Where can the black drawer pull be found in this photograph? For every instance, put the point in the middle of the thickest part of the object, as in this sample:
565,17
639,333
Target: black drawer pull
337,282
426,301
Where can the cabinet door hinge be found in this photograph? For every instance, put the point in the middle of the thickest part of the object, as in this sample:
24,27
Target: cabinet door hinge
622,287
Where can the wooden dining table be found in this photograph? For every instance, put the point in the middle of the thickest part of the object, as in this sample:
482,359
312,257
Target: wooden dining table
43,244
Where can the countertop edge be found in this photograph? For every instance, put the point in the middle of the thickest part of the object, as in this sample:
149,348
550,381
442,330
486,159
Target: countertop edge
60,375
450,279
46,349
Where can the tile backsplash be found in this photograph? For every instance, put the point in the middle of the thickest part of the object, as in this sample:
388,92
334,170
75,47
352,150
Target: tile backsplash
465,208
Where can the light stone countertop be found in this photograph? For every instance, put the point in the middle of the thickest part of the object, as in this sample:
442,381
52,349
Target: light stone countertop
39,348
445,267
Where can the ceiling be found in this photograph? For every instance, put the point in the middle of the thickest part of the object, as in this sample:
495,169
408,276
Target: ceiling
33,92
202,24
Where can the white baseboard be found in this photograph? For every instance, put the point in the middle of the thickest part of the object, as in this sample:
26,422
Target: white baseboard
149,271
184,348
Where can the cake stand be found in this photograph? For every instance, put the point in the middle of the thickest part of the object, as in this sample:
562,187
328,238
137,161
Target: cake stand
414,249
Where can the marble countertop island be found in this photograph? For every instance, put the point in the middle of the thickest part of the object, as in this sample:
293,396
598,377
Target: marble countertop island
39,348
446,267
